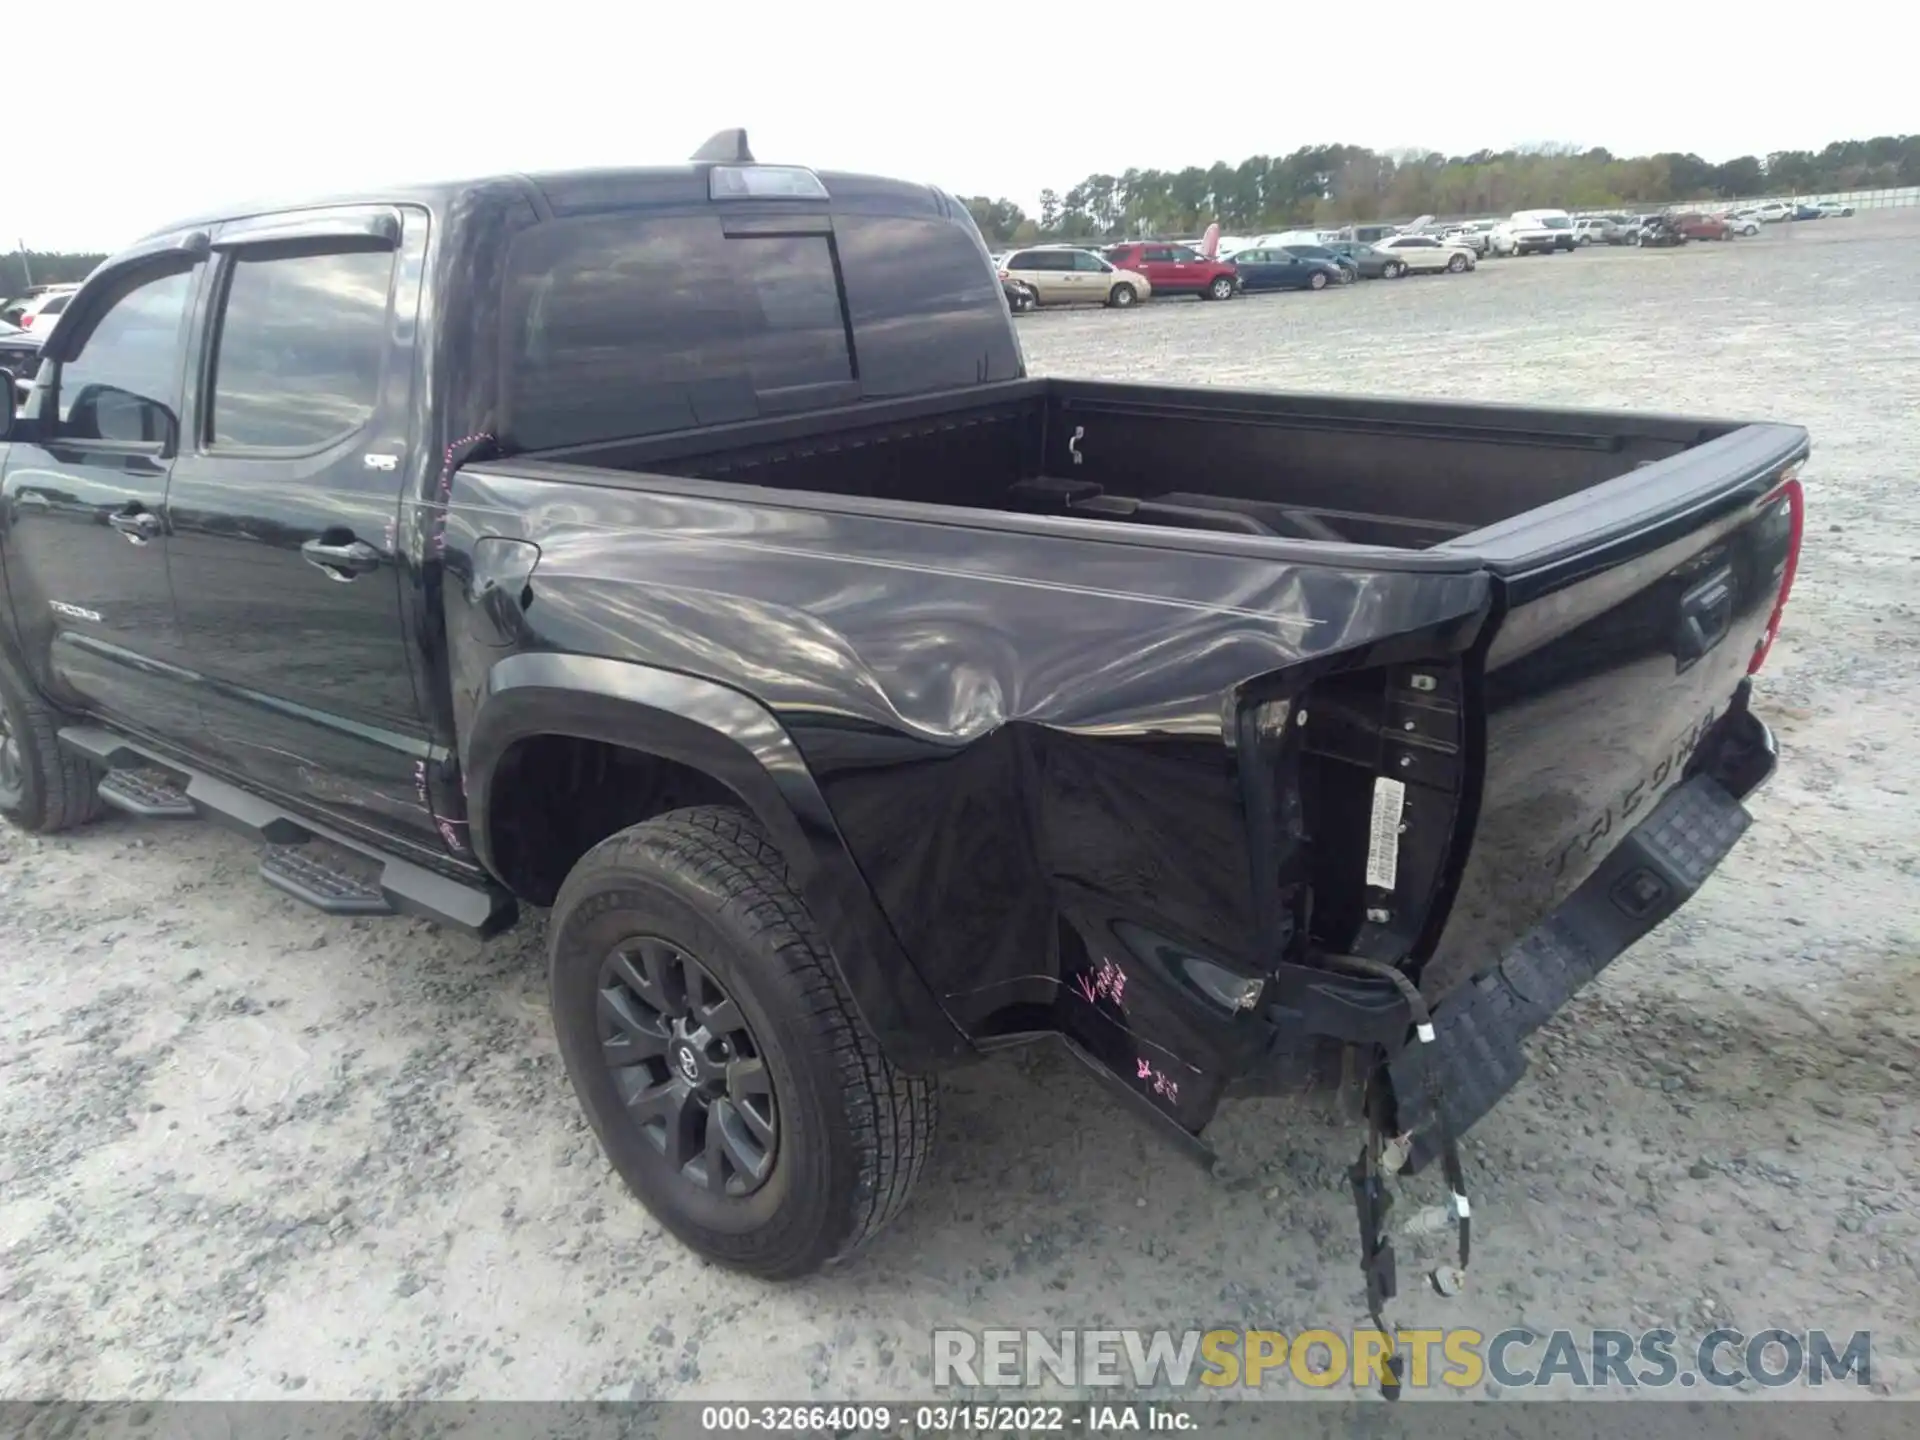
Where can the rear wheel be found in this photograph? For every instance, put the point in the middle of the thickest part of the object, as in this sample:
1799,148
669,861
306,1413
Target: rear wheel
42,787
1221,288
718,1057
1121,296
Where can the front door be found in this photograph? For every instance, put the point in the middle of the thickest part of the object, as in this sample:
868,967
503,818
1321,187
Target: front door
286,503
87,529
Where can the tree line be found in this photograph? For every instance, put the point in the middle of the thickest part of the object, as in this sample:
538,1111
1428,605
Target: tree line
20,271
1326,185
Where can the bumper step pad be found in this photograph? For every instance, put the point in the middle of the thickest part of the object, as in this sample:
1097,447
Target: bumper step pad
1477,1045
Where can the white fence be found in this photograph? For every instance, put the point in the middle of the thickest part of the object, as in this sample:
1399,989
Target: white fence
1858,199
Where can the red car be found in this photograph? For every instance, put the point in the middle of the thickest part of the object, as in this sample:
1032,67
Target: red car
1176,269
1695,226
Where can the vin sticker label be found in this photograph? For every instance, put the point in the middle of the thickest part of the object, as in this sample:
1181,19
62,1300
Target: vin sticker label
1383,843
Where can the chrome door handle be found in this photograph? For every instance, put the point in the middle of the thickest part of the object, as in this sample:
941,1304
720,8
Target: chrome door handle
139,527
341,562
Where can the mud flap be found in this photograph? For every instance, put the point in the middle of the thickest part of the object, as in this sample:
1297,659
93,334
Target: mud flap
1476,1053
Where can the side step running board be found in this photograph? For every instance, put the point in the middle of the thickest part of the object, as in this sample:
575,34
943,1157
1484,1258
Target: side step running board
308,861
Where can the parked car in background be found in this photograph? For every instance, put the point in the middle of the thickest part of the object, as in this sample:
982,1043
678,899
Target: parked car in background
1773,212
1742,222
1831,208
20,356
1021,297
1424,252
1477,236
1371,264
1349,272
1068,275
1603,230
1695,225
1176,269
1556,225
1658,230
1371,234
42,311
1284,270
1807,212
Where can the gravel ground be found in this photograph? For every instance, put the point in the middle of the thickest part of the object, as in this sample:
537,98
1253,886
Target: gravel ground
249,1152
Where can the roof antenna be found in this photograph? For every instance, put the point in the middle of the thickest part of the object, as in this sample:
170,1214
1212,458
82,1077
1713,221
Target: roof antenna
725,147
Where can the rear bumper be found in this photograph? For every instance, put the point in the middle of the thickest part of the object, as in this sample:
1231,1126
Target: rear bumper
1477,1054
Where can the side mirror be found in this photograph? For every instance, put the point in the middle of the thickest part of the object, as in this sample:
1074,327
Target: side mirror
6,410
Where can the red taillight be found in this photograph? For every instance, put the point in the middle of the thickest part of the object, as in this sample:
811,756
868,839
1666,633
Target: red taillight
1796,527
26,322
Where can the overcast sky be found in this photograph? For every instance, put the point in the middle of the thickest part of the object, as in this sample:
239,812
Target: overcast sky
159,111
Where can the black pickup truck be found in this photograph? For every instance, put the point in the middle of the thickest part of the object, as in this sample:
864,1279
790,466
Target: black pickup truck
687,550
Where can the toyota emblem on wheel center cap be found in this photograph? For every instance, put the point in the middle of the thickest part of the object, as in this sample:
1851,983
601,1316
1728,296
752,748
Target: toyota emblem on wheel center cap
689,1066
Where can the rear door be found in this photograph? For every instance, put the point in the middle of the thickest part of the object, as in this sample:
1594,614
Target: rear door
1420,253
87,525
1156,263
1046,272
286,501
1257,268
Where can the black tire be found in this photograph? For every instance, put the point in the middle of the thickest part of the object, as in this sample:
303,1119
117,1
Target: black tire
1220,288
42,787
1457,264
1122,295
1395,269
1317,280
850,1132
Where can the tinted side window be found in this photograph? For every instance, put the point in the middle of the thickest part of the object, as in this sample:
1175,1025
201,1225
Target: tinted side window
302,336
55,305
1083,261
124,382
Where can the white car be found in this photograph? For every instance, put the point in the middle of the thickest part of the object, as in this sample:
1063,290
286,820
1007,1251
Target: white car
1424,252
43,311
1773,212
1743,222
1830,208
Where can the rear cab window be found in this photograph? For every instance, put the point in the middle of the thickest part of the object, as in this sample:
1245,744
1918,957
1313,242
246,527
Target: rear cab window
632,323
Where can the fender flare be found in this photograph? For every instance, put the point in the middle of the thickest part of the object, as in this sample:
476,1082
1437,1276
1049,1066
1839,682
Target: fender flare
738,742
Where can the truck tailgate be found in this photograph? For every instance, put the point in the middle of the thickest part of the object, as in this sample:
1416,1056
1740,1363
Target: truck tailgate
1628,616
